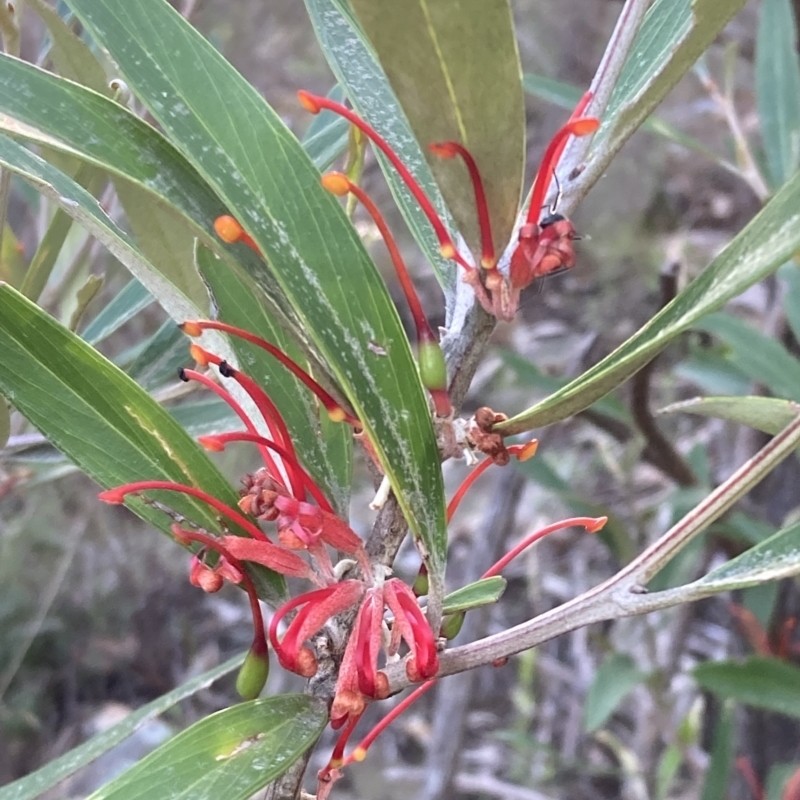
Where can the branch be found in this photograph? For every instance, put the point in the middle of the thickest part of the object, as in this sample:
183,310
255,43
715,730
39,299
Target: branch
623,594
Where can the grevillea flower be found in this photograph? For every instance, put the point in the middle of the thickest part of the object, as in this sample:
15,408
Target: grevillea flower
545,242
388,623
278,492
282,493
410,625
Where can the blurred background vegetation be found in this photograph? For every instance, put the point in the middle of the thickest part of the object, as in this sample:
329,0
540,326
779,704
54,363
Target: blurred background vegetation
96,614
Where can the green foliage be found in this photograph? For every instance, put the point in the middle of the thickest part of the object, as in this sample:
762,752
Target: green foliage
309,286
758,681
613,681
236,751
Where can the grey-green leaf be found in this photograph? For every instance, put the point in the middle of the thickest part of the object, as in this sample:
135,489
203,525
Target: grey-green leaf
230,754
767,683
770,238
778,88
768,414
615,679
244,151
481,593
456,73
55,771
775,558
355,65
762,358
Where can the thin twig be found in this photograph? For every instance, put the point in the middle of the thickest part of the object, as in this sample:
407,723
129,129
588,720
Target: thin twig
747,167
623,594
660,449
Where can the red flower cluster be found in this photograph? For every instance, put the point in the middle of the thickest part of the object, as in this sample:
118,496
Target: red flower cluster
544,246
277,493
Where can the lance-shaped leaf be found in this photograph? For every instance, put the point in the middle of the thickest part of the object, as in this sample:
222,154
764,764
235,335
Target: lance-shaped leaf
768,414
762,682
54,772
474,595
456,72
674,34
775,558
244,151
355,64
778,88
613,681
53,112
127,303
760,357
99,417
770,238
177,286
230,754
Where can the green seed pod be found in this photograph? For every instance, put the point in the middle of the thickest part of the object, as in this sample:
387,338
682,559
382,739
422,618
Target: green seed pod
253,675
420,586
451,625
432,368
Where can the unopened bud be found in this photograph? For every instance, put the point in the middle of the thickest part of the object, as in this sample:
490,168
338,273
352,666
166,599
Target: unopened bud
336,183
451,625
432,367
420,586
253,674
191,328
228,229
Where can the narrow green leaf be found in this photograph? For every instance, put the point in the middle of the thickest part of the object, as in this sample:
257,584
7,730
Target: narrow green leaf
244,151
481,593
790,274
355,65
529,374
83,207
54,772
100,418
326,136
44,259
204,417
457,75
613,681
128,302
230,754
762,358
766,243
767,683
778,88
673,36
768,414
42,108
715,786
711,372
165,237
71,56
668,765
328,453
775,558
